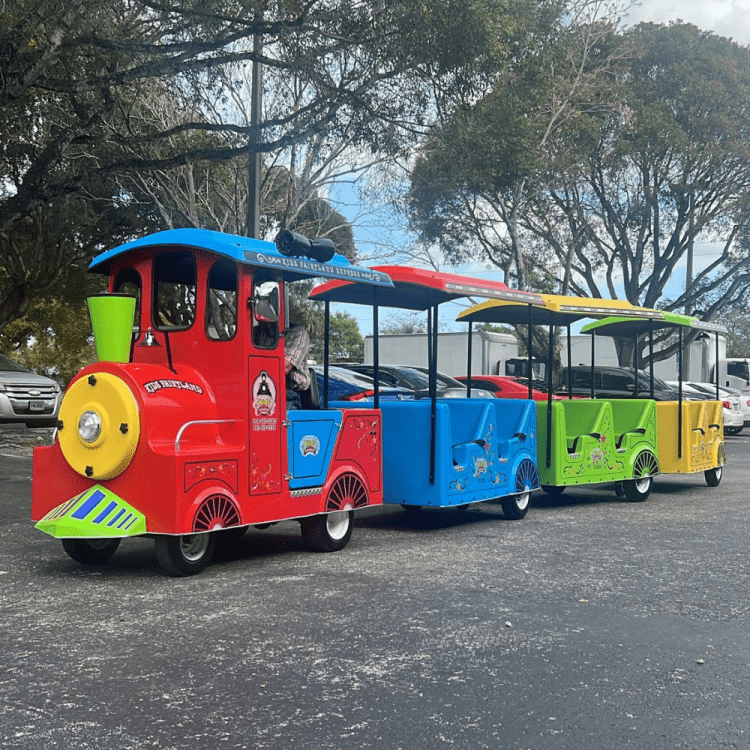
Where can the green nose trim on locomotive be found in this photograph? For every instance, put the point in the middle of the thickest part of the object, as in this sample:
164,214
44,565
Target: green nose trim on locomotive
95,513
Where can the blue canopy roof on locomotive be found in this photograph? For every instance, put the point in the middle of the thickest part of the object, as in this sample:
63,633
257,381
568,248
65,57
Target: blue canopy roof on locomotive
246,250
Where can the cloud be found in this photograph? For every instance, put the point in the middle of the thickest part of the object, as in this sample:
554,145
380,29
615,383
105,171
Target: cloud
730,18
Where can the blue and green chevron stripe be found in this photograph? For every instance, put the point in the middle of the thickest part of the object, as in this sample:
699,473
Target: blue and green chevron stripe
95,513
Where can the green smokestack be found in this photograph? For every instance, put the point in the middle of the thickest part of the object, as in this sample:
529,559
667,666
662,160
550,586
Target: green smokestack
112,319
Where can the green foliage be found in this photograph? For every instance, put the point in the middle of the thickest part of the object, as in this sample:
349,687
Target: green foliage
603,194
54,337
345,340
738,334
405,322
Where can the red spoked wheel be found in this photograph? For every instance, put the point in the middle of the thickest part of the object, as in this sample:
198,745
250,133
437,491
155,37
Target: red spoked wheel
216,512
347,491
331,531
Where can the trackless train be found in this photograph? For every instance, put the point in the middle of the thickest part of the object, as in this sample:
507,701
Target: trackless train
181,431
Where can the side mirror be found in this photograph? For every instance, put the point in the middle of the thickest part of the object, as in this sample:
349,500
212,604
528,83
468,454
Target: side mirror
266,302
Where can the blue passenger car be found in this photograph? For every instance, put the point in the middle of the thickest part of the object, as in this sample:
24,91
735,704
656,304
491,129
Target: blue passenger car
448,452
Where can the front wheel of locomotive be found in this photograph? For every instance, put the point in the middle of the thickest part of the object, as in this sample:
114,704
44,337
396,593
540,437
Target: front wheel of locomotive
90,551
329,532
185,555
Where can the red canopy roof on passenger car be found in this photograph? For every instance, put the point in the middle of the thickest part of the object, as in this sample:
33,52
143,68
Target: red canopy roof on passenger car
418,289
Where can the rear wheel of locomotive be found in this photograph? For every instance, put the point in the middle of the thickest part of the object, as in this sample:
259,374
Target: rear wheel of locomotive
90,551
185,555
328,532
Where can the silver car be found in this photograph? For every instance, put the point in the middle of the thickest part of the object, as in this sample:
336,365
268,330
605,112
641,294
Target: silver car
27,397
735,409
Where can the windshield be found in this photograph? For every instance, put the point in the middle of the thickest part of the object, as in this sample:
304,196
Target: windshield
644,382
10,365
347,376
444,381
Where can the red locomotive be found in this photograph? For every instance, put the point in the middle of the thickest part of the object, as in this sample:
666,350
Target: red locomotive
181,430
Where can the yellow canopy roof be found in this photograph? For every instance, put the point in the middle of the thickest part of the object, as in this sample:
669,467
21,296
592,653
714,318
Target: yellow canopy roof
555,310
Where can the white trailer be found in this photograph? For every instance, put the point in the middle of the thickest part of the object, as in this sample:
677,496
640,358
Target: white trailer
702,357
489,351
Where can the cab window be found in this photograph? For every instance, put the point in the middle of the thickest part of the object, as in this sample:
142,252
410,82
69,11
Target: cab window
738,370
264,306
221,305
128,281
174,291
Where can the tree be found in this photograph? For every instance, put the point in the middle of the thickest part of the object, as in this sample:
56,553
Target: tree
405,322
633,185
55,337
738,334
345,340
76,80
486,158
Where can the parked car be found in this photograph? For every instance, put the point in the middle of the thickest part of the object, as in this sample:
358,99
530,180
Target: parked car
744,401
416,380
503,386
613,382
734,419
345,385
26,397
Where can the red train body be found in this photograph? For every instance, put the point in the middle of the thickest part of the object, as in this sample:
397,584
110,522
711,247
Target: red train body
191,434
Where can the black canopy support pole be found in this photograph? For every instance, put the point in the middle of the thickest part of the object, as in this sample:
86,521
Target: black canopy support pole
570,367
376,356
429,346
651,357
468,361
679,397
593,359
717,366
529,349
635,364
433,319
550,355
326,351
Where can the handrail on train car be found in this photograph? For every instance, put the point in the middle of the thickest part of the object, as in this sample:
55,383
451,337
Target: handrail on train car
199,421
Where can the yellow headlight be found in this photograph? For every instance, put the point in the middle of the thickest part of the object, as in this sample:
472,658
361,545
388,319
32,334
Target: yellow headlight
100,426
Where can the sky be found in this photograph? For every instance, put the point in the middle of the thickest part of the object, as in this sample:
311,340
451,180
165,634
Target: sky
730,18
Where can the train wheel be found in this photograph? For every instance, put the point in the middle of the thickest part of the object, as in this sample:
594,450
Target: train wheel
637,490
516,506
328,532
713,476
552,489
639,487
184,555
90,551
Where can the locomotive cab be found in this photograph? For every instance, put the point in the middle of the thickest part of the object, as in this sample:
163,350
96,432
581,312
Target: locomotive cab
185,434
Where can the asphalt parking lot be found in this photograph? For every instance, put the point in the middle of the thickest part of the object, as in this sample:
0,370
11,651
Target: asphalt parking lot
593,623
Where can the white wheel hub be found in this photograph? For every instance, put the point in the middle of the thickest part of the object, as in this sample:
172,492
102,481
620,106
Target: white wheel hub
337,523
194,546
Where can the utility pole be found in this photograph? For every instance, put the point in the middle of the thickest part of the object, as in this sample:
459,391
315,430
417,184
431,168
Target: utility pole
689,281
253,177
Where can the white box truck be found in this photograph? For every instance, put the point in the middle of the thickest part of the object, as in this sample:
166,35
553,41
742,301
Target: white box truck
490,352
